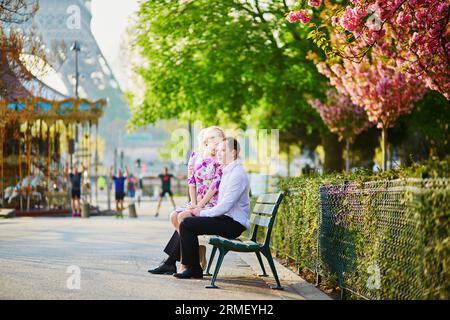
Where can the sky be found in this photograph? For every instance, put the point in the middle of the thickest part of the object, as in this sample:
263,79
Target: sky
110,19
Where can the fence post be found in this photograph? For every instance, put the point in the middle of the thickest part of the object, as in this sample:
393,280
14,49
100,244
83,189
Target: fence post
319,223
343,293
85,211
132,210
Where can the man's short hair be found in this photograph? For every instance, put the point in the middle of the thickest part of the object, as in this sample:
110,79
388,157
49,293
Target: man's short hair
233,144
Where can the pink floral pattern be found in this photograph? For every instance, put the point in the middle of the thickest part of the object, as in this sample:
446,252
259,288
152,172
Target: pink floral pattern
206,174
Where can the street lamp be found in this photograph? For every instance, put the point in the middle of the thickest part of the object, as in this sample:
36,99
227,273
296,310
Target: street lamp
76,47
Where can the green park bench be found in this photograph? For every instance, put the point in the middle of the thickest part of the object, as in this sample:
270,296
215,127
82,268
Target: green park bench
261,217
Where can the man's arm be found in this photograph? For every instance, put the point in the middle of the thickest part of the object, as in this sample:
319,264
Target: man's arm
232,193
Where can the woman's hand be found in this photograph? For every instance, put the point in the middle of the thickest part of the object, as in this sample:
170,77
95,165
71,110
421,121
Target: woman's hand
183,215
196,212
192,206
199,205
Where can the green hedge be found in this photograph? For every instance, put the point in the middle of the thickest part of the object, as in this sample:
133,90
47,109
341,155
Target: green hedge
405,230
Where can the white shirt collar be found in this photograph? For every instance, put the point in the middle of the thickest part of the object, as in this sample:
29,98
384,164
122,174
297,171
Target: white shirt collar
231,166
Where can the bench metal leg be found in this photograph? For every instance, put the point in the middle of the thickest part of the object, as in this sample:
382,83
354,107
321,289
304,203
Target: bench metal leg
211,259
258,255
268,255
222,253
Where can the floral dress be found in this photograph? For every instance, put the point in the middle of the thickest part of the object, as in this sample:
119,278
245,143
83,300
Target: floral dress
206,174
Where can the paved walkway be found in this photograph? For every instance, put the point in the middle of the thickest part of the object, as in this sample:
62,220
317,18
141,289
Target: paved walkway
113,257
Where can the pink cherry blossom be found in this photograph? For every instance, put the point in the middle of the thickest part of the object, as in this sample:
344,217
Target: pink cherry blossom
382,90
301,16
314,3
341,115
417,32
335,21
403,19
350,20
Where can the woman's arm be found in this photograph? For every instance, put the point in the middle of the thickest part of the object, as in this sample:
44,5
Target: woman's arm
211,192
214,187
192,191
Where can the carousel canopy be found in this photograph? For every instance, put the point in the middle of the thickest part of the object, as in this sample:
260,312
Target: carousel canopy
39,101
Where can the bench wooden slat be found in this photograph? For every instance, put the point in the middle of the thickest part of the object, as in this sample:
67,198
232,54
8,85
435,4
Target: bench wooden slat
264,208
259,220
270,198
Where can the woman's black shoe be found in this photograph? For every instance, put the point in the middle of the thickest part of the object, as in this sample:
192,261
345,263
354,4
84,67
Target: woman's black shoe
191,272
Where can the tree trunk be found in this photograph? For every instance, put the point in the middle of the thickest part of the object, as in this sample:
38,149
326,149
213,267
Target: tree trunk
347,155
383,147
2,169
333,153
288,152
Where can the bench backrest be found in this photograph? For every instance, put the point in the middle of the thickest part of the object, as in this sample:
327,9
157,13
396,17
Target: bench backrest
263,216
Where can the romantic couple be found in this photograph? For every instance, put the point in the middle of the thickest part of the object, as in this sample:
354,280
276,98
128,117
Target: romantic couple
220,203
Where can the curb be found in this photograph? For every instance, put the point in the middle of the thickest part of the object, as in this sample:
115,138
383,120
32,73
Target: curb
288,278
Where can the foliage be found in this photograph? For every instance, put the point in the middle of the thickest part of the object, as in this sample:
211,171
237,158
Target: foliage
381,89
425,131
227,61
13,45
361,229
417,29
17,11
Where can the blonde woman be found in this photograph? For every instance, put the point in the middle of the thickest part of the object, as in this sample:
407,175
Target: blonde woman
204,174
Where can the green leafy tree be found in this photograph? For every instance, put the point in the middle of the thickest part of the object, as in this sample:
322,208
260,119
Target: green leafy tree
225,61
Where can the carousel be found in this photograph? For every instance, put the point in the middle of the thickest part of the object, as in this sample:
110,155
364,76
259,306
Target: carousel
39,127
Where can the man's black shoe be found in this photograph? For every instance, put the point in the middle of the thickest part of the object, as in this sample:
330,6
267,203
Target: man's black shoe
164,269
191,272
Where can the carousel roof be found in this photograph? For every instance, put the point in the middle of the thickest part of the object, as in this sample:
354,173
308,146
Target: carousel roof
39,101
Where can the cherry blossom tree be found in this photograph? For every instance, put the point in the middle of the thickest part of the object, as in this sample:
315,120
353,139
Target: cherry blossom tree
342,117
418,28
380,88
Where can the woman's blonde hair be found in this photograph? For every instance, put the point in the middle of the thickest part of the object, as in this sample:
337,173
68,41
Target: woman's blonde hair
205,133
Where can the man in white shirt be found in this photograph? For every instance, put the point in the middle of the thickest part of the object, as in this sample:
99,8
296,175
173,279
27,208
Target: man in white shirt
227,219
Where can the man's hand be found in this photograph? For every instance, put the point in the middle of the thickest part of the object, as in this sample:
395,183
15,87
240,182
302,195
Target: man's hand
196,212
183,215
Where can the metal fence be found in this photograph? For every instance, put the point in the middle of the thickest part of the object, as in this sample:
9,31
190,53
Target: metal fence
376,240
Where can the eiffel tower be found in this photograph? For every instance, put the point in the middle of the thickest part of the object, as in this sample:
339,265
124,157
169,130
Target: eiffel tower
64,22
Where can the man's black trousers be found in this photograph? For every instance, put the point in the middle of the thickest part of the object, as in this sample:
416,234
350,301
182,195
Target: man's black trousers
193,227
